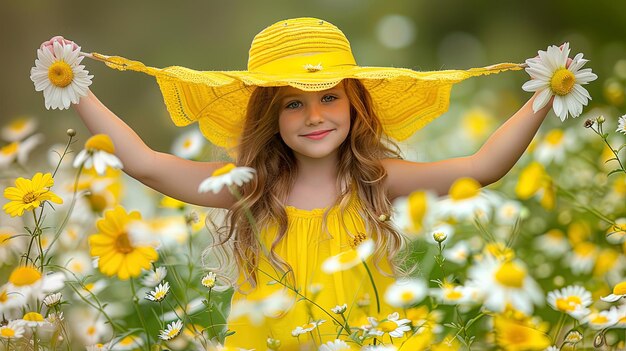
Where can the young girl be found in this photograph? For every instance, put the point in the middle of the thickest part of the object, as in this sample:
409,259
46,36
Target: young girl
318,130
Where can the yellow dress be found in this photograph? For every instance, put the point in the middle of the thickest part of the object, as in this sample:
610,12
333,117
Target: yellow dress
305,247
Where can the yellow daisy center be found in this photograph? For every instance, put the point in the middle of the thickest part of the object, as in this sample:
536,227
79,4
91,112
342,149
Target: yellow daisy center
33,317
568,303
60,74
172,333
562,82
4,297
453,295
91,330
599,319
510,275
23,276
223,170
100,142
9,149
7,332
187,144
89,286
348,256
129,340
122,244
464,188
29,197
555,137
407,296
620,289
584,249
97,202
159,295
18,124
388,326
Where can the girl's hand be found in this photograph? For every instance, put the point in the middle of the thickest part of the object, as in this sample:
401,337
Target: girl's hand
59,39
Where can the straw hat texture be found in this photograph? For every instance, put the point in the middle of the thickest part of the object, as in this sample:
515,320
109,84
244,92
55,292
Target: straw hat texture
309,54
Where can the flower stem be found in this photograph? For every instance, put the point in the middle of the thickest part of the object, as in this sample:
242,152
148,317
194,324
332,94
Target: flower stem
141,320
373,286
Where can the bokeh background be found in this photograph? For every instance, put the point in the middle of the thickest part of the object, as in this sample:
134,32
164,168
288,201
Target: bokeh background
215,35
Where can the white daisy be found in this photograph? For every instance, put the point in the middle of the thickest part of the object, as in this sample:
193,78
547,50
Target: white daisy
554,146
18,129
582,257
19,150
572,300
172,330
450,294
619,291
209,280
508,212
602,319
53,299
414,213
621,125
13,330
35,320
465,201
98,347
99,154
159,293
392,325
339,309
78,262
127,343
305,328
441,231
11,302
61,77
191,308
459,253
226,176
551,77
256,311
337,345
349,258
154,277
503,283
553,243
405,292
617,233
189,144
28,281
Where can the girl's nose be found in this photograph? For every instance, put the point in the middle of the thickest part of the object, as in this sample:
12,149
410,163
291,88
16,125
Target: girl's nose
314,116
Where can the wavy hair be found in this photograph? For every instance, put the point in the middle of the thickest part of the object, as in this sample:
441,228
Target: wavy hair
360,173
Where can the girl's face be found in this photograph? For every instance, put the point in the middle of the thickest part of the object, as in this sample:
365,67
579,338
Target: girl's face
314,124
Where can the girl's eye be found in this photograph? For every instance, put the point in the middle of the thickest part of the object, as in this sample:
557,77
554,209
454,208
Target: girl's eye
293,104
329,98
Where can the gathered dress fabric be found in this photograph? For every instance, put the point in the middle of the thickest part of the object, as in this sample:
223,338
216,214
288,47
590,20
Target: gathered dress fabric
306,245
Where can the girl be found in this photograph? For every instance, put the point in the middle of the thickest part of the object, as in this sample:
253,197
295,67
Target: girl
318,130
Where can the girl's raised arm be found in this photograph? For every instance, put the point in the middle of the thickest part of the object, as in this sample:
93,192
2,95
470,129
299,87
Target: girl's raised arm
494,159
173,176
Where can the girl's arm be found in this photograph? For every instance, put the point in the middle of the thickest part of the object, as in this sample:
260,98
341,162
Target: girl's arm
173,176
494,159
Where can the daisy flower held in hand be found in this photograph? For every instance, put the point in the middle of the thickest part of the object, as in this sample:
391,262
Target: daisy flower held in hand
59,75
99,154
28,194
227,175
552,77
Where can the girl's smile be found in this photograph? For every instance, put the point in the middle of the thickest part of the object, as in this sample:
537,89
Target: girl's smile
319,134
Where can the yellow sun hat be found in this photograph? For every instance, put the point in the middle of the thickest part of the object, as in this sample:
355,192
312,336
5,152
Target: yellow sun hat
309,54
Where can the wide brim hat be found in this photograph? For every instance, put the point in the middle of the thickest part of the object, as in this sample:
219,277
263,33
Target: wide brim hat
308,54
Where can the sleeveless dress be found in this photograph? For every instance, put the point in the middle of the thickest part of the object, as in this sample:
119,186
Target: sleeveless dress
305,247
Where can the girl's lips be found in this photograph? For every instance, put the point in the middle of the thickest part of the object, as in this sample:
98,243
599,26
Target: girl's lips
318,134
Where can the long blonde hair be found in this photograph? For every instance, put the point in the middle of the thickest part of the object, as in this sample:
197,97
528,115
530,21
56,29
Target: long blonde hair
359,170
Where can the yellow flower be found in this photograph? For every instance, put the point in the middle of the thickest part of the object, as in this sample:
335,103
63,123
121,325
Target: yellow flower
118,255
29,194
514,335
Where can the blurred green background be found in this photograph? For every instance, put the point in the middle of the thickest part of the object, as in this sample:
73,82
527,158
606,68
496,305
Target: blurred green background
215,35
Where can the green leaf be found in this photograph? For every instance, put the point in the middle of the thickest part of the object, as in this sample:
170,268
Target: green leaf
611,159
